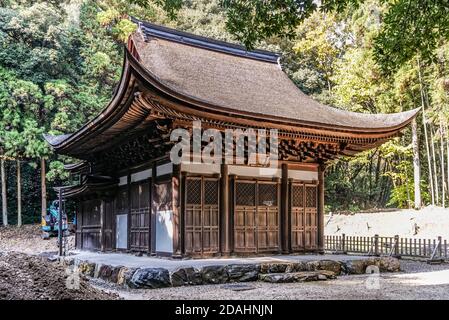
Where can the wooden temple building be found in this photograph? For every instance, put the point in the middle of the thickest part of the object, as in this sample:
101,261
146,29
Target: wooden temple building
131,197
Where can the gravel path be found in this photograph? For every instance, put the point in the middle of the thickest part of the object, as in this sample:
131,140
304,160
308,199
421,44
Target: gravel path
417,281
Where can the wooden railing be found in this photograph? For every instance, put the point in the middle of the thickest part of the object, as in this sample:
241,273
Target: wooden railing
432,249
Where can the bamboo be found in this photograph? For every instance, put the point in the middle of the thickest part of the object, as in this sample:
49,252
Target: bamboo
416,165
437,189
443,179
426,136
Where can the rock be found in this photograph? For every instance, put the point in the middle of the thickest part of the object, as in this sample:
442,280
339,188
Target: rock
114,274
109,273
125,275
105,272
297,276
97,270
355,266
87,268
151,278
242,272
276,267
331,265
214,274
312,265
186,276
389,264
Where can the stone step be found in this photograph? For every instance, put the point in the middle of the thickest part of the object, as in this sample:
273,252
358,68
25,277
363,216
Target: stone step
303,276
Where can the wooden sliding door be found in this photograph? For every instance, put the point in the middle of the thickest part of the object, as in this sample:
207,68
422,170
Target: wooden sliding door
201,230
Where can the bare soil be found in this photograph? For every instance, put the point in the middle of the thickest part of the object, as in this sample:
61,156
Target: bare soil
29,277
27,239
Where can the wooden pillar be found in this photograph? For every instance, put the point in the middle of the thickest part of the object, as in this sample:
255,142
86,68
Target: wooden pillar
321,169
232,179
102,218
153,211
225,219
150,226
285,226
128,222
176,196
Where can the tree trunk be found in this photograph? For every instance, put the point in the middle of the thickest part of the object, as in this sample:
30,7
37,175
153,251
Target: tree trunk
43,189
19,195
435,172
447,156
426,137
443,179
4,198
416,165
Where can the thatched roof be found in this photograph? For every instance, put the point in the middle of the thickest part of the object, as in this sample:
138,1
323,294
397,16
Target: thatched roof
221,81
241,83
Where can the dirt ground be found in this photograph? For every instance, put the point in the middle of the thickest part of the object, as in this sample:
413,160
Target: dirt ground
417,281
29,277
26,273
27,239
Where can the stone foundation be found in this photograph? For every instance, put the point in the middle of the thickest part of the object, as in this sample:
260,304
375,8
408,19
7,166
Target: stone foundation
276,272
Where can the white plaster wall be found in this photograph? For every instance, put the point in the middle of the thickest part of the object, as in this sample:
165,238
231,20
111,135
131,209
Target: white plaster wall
123,181
164,231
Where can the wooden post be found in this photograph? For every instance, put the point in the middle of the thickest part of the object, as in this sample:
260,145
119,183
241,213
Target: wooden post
43,189
19,195
321,169
4,195
60,222
153,210
128,224
396,246
232,179
176,194
343,243
440,247
102,235
376,244
225,219
285,228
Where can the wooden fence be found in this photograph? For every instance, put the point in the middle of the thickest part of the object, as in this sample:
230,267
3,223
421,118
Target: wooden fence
433,249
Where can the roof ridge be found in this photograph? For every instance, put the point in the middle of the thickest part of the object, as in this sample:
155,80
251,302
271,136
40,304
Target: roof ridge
158,31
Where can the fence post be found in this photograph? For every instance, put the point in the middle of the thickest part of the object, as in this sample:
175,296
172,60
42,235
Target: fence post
396,245
343,243
376,244
440,247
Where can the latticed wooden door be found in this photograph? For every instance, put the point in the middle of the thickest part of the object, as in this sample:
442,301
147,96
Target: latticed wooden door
140,217
304,216
201,221
245,226
311,217
297,216
256,217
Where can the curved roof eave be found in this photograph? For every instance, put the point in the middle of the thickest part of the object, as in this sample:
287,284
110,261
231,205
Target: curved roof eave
63,142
